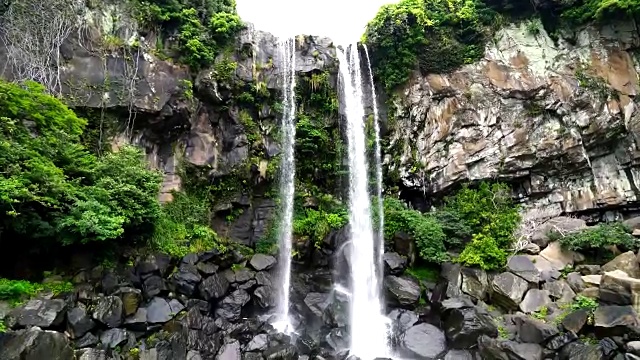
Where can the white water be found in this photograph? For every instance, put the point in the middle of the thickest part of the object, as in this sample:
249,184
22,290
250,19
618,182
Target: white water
369,327
378,165
287,182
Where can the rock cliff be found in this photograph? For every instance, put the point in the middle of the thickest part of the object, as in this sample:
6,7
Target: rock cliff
559,120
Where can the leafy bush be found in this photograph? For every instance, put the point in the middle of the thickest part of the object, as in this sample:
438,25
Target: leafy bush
183,226
433,35
204,27
425,229
601,10
492,217
53,188
316,224
596,238
16,291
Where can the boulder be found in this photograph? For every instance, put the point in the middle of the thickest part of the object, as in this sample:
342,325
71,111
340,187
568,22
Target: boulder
535,300
491,348
258,343
579,350
263,278
131,299
415,347
230,307
618,288
42,313
91,354
36,344
463,326
402,290
560,291
394,263
561,224
152,286
137,321
79,322
531,330
559,257
159,311
229,351
523,266
459,355
610,320
626,262
261,262
113,338
281,352
508,290
109,311
186,279
402,320
474,283
451,274
214,287
575,282
265,297
575,320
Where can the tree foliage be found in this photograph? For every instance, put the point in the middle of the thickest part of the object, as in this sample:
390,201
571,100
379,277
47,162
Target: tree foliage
52,187
204,28
434,36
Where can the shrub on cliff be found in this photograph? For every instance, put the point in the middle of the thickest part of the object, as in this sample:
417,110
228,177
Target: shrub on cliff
434,36
51,187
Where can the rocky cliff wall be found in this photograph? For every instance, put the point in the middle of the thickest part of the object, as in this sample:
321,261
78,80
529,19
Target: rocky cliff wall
558,120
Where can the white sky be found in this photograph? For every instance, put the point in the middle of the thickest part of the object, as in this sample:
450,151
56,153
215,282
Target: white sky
341,20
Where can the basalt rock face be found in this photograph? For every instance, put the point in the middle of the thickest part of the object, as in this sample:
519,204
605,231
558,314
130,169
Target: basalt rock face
558,120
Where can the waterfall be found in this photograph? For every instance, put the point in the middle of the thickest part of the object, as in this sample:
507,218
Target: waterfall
378,165
368,330
287,182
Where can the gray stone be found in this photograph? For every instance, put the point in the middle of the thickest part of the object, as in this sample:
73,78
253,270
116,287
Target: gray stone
414,346
575,320
229,351
394,263
535,300
475,282
159,311
258,343
508,290
131,299
626,262
560,291
401,290
36,344
214,287
463,326
531,330
113,338
79,323
575,282
523,267
91,354
37,312
109,311
262,262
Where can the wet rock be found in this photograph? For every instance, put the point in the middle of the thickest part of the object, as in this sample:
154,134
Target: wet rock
402,320
281,352
131,299
474,282
159,311
459,355
414,346
242,275
229,351
463,326
42,313
194,355
87,340
260,262
91,354
78,322
394,263
263,279
459,302
402,291
535,300
316,304
186,279
258,343
578,350
508,290
256,356
452,275
264,297
153,286
523,266
534,331
137,321
113,338
109,311
338,339
152,263
214,287
575,320
561,340
207,269
36,344
626,262
230,307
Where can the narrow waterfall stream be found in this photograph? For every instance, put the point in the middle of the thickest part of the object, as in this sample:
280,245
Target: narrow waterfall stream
368,326
378,166
287,182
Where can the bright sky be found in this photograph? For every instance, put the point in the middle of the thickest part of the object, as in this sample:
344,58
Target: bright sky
341,20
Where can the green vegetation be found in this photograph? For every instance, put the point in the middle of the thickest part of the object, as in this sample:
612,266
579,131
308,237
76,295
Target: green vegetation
601,10
53,188
204,27
315,224
580,302
424,273
434,36
16,291
479,221
595,240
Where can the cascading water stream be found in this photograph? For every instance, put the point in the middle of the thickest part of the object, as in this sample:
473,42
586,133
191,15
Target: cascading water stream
287,183
368,326
378,165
